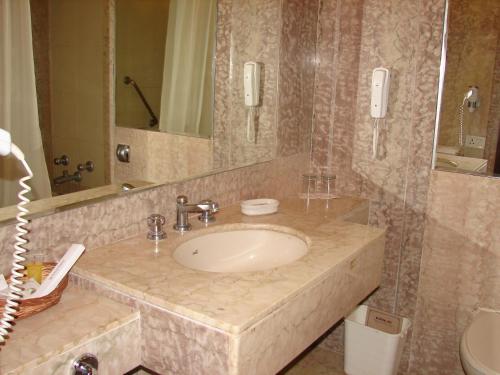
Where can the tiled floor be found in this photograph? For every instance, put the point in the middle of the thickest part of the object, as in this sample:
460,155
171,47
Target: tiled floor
317,362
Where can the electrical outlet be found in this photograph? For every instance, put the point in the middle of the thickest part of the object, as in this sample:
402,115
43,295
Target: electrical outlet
474,141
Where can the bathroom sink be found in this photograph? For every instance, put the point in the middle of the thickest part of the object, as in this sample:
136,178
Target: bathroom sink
240,250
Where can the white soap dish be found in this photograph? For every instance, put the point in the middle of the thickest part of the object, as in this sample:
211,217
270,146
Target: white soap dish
254,207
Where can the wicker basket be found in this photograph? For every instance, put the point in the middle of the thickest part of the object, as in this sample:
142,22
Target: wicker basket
33,306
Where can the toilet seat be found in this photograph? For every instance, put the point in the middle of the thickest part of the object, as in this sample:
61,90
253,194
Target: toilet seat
480,345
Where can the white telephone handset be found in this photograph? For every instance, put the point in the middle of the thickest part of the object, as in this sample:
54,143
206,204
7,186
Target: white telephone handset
251,84
379,100
251,81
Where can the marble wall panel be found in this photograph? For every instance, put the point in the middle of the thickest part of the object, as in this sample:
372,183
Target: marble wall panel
255,36
339,39
160,157
222,107
174,345
324,85
419,151
296,75
354,37
493,128
460,268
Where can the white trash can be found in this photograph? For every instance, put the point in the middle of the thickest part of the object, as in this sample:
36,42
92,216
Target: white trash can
370,351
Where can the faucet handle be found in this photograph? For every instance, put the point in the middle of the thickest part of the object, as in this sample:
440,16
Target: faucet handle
155,224
207,216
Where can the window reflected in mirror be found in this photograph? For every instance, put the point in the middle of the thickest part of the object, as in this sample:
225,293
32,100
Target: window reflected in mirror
470,98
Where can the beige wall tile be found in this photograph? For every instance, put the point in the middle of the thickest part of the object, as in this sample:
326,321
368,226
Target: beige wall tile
460,268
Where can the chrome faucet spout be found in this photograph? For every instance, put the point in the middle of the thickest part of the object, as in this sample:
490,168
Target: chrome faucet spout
207,208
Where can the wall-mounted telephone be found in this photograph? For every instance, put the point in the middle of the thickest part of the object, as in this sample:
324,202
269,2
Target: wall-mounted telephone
251,84
380,92
381,79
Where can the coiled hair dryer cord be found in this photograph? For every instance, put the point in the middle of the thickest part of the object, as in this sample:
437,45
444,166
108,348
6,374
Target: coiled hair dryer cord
16,278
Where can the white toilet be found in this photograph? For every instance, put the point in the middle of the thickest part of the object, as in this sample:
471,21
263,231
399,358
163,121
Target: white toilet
480,345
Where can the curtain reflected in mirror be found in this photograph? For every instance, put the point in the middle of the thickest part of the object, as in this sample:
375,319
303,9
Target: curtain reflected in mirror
18,104
166,48
470,108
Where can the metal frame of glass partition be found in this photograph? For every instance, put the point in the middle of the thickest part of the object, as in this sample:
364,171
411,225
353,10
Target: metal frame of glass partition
442,71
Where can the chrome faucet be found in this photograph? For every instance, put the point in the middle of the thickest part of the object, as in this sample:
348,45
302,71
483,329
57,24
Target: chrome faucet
207,208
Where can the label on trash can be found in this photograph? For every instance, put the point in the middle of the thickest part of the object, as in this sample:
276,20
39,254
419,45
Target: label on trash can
383,321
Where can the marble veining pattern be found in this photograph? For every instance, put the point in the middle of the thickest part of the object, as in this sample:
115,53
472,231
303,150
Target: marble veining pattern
216,299
281,336
160,157
47,340
222,107
460,268
117,350
354,37
493,127
167,339
296,75
175,345
299,319
124,216
255,35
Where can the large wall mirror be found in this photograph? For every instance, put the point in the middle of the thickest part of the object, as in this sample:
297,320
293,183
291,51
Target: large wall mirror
142,73
469,100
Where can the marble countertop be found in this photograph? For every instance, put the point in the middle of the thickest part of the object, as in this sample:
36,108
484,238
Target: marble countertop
232,302
79,317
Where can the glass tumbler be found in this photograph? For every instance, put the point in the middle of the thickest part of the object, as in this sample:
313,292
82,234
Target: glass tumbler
328,185
309,182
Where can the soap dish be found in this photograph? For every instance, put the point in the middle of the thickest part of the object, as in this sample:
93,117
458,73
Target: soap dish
254,207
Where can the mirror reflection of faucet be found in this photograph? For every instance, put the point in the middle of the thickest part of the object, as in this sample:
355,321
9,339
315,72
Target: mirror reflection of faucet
66,177
76,176
63,160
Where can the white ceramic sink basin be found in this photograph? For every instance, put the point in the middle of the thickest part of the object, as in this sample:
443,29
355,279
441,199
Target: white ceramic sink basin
240,250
